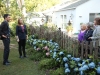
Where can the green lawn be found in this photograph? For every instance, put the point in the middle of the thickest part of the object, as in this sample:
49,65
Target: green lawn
18,66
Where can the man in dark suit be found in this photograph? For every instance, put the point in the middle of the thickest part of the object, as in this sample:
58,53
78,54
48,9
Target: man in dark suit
5,33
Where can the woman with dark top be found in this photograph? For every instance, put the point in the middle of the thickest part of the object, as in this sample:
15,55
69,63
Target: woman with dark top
21,35
88,33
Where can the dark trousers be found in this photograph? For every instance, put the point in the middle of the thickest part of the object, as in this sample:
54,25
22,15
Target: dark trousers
6,43
22,43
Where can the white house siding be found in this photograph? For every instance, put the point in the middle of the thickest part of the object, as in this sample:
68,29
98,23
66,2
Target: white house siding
57,17
82,12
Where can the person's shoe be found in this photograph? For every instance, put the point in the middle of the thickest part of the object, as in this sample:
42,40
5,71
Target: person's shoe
6,63
25,56
21,57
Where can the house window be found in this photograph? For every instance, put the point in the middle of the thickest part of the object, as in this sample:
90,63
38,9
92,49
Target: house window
62,18
92,16
63,21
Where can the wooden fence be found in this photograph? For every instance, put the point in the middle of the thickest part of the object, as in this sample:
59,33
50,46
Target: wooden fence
71,45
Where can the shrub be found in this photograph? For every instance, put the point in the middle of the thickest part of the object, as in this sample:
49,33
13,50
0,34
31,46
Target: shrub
13,28
59,71
36,56
60,58
47,63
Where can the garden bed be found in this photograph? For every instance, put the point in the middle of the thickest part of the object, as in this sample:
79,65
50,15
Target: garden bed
57,61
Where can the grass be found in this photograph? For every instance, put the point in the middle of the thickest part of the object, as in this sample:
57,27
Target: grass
18,66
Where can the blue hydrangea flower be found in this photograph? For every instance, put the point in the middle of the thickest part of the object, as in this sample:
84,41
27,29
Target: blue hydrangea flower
39,41
35,47
55,50
34,43
50,40
75,69
61,53
35,40
31,39
72,58
92,65
54,54
42,41
45,41
80,69
69,56
98,70
57,59
79,64
33,36
65,59
81,73
51,44
66,65
83,63
67,70
50,51
77,59
85,67
56,44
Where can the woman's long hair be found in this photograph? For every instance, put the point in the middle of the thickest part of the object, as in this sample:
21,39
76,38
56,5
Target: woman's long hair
19,23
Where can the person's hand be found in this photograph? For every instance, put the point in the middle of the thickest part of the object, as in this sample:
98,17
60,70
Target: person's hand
89,38
17,40
4,36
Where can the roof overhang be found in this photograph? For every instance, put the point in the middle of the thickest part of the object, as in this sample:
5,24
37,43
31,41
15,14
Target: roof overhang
66,9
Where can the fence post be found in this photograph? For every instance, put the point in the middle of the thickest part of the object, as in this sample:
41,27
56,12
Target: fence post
91,48
82,49
59,31
73,47
96,49
86,49
40,31
64,40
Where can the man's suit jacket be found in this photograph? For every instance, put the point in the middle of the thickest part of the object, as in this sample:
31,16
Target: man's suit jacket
4,28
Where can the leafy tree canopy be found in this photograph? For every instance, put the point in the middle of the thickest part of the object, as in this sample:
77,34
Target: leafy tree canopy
39,5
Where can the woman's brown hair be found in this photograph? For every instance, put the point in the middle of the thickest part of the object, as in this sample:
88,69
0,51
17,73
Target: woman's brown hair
19,23
97,20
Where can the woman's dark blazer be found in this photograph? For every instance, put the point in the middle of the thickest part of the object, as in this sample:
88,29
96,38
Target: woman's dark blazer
20,33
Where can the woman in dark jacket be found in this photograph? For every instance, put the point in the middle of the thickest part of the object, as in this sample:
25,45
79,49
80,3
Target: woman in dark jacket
88,32
21,35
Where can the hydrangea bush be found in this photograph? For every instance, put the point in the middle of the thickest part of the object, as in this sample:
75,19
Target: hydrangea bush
72,65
